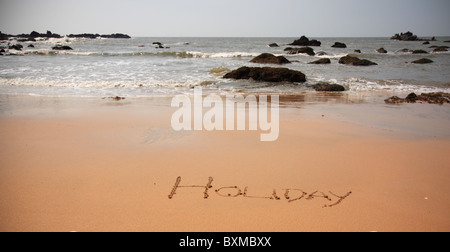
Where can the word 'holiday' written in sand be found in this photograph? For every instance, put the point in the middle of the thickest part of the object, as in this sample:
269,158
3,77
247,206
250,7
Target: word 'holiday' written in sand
289,195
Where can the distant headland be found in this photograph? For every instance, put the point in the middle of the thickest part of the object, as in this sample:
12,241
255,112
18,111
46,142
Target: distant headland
33,35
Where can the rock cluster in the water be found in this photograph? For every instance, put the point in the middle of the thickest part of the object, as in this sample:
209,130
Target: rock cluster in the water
305,50
422,61
267,58
266,74
339,45
95,36
304,41
349,60
431,98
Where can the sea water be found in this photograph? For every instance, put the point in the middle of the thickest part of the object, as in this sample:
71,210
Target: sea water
136,68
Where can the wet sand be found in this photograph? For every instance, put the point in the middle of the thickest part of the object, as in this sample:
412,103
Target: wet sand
103,165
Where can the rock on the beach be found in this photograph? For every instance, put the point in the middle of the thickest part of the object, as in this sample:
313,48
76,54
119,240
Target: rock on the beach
339,45
304,41
267,58
321,61
431,98
62,48
422,61
325,87
273,45
381,50
266,74
349,60
306,50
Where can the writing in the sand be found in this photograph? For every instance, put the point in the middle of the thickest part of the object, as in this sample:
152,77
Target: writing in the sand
290,195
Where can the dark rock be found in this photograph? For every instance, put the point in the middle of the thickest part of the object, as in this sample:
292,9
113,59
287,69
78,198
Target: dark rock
266,74
426,43
325,87
321,61
358,51
411,98
321,53
62,48
116,36
349,60
431,98
95,36
381,50
84,35
448,41
2,50
419,52
30,46
274,45
339,45
408,36
441,49
422,61
304,41
405,50
35,34
16,47
267,58
157,43
306,50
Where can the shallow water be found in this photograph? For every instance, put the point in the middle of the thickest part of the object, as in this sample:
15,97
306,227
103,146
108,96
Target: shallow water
135,68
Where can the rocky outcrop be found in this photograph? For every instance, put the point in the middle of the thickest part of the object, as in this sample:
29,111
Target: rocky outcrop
273,45
325,87
267,58
441,49
408,36
95,36
304,41
267,74
422,61
349,60
339,45
16,47
321,61
306,50
382,50
419,52
431,98
62,48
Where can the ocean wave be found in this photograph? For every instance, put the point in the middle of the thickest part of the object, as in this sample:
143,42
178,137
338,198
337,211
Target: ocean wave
185,54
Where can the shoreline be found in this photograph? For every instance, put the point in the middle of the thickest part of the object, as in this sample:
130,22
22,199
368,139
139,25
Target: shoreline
103,165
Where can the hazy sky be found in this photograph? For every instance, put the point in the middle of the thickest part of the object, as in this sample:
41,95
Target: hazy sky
225,18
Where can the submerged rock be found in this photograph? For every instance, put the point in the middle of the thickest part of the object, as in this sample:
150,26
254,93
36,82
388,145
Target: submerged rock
62,48
349,60
266,74
306,50
304,41
441,49
339,45
419,52
422,61
321,61
382,50
267,58
325,87
431,98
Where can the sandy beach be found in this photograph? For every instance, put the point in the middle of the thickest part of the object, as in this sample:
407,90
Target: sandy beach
93,164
